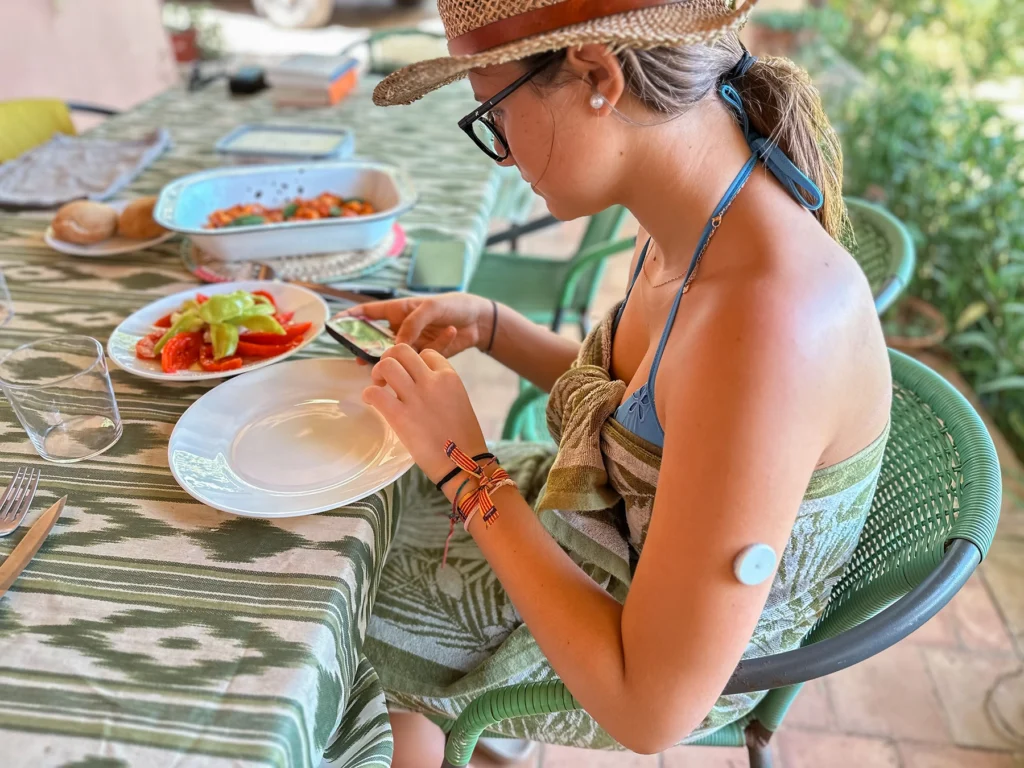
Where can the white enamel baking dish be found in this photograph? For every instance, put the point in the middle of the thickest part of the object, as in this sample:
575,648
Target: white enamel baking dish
185,204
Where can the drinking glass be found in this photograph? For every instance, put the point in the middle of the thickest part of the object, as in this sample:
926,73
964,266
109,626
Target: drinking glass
60,390
6,305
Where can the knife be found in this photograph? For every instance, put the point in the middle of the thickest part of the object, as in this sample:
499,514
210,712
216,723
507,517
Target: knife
357,294
28,546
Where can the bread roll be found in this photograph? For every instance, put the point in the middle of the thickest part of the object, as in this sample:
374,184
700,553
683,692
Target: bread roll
137,220
84,222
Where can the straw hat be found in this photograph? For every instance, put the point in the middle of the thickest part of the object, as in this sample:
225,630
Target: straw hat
486,32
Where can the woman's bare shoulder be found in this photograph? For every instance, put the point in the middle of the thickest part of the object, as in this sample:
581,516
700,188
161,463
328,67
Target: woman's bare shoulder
803,316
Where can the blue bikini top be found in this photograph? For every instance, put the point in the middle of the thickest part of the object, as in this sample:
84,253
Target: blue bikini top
638,414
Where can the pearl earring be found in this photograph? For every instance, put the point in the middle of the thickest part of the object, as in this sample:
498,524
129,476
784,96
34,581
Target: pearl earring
597,101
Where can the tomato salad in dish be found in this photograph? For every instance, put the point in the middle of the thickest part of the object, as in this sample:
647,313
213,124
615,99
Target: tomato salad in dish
323,206
221,333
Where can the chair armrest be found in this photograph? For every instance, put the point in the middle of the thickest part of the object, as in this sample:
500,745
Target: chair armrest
494,706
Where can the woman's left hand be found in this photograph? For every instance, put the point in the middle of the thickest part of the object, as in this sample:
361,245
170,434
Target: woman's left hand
424,400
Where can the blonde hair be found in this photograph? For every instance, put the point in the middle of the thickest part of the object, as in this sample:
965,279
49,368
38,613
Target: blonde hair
778,96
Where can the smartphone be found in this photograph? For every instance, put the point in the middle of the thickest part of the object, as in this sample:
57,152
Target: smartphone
437,266
363,338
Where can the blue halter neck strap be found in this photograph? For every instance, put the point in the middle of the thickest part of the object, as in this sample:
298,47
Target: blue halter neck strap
803,190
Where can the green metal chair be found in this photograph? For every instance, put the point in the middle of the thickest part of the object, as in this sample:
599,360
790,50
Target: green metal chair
931,522
527,417
884,251
553,291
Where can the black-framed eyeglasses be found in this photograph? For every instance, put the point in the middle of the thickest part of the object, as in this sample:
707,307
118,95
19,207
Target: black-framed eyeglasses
479,125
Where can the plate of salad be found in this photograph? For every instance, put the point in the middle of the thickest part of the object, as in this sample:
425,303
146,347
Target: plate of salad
217,331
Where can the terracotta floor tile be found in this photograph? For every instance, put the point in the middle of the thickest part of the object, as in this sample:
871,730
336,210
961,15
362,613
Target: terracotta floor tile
921,756
812,749
964,680
890,694
978,623
1005,708
567,757
812,708
706,757
1004,572
939,632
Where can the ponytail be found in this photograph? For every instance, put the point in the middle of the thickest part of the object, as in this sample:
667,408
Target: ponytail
783,106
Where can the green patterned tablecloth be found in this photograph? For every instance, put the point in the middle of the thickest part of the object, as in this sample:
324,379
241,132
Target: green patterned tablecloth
151,630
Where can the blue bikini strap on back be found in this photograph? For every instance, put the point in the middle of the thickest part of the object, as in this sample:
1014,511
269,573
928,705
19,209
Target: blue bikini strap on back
804,190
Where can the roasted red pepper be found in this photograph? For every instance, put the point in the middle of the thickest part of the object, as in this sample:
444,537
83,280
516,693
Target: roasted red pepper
266,296
248,349
291,332
181,352
207,362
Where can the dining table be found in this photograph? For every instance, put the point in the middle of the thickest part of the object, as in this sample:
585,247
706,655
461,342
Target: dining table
151,630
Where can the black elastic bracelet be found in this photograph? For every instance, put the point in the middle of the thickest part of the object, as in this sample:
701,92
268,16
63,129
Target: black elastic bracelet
454,473
494,326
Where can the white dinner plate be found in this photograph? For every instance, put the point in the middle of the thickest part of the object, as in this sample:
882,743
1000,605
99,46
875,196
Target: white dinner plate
307,306
290,440
112,246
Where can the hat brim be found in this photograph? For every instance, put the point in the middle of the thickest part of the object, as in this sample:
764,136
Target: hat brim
657,27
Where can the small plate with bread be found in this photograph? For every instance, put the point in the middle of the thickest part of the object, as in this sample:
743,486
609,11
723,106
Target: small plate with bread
91,229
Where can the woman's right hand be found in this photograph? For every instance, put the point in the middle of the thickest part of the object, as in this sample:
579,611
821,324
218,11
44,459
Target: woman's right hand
448,323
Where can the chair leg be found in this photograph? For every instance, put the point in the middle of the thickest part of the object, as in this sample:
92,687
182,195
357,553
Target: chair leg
758,751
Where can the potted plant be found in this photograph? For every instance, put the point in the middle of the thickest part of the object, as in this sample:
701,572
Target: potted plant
194,36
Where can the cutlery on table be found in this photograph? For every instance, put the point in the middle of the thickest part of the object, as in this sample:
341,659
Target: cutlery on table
28,546
355,293
16,500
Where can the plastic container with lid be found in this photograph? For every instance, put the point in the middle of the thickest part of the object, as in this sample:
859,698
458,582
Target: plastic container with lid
261,144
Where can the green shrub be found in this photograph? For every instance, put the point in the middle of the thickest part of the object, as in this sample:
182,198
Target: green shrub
952,169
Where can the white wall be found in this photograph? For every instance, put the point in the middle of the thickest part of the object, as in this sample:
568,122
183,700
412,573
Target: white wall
110,52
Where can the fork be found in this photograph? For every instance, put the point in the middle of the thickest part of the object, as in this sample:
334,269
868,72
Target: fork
17,499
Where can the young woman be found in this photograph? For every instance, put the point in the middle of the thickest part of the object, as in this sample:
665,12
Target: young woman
738,396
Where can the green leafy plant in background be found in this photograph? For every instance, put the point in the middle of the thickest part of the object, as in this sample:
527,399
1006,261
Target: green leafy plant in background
976,39
944,161
951,168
